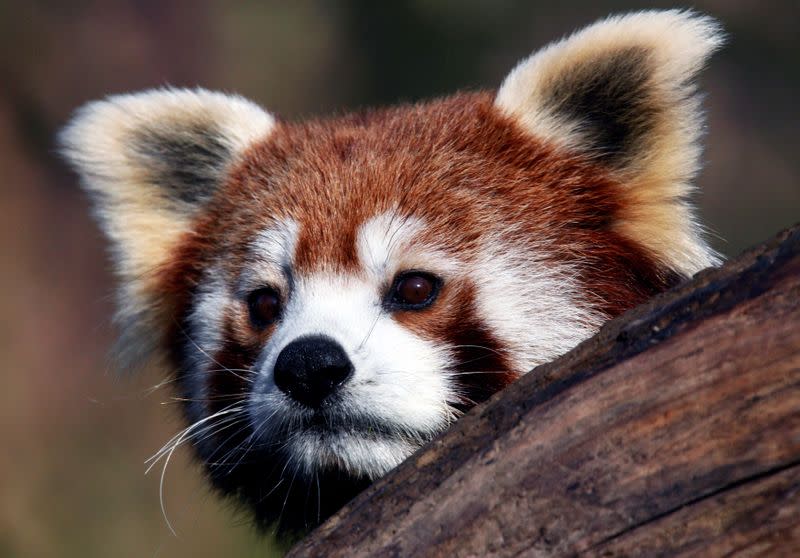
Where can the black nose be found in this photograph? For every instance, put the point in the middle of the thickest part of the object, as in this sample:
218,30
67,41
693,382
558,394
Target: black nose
311,368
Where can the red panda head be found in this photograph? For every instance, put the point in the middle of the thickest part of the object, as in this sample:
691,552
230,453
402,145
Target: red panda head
332,294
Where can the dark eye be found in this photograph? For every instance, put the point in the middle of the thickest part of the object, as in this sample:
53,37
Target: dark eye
413,290
264,305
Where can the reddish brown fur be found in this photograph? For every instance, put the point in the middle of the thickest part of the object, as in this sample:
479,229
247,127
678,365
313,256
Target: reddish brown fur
456,162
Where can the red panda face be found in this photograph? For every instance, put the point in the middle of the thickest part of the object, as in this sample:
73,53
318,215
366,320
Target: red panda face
377,285
332,294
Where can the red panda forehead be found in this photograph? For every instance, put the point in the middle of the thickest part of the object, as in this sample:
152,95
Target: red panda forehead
455,164
332,177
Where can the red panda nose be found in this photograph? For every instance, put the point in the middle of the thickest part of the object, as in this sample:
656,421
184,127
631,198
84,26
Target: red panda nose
311,368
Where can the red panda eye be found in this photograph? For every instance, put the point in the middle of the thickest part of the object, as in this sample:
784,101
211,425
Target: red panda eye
413,290
264,305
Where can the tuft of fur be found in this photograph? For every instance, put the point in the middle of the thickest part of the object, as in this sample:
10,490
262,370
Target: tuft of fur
541,210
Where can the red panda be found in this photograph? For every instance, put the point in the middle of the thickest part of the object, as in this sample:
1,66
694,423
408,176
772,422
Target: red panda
329,295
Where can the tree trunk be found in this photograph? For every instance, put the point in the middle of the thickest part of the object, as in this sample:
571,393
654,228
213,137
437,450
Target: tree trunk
675,430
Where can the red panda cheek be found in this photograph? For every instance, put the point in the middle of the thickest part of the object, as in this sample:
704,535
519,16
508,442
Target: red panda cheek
481,364
230,370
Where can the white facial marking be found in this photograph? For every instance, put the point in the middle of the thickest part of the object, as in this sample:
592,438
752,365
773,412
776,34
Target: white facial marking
536,307
386,245
204,337
271,255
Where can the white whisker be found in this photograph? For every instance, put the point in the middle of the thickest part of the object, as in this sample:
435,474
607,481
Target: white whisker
178,441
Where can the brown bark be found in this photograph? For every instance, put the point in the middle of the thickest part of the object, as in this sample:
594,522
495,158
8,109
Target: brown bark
674,431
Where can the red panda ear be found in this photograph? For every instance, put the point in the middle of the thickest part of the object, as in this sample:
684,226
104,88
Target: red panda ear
616,89
621,93
150,160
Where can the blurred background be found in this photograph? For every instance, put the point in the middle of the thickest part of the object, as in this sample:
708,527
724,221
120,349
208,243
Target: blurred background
75,435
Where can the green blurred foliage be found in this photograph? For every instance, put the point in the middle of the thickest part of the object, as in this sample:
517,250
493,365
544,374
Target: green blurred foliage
75,435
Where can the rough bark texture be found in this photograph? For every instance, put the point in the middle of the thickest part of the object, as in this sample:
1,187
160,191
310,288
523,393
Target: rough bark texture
674,431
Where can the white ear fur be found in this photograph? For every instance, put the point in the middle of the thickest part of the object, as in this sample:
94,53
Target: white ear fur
621,92
150,160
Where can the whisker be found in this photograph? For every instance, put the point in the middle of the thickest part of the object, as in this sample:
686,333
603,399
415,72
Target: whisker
229,422
502,351
288,492
473,372
178,441
224,459
208,399
369,333
188,429
204,352
253,438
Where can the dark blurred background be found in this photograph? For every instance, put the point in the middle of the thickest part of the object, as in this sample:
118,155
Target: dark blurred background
75,435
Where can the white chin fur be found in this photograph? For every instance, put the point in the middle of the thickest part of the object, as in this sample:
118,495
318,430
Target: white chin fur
356,454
